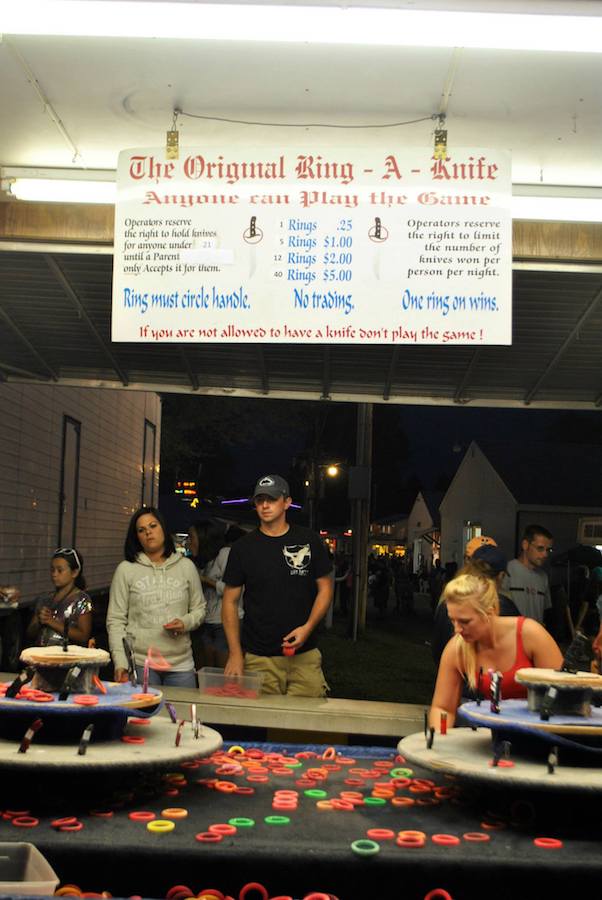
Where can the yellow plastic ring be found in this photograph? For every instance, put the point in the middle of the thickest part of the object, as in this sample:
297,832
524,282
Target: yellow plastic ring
236,749
160,826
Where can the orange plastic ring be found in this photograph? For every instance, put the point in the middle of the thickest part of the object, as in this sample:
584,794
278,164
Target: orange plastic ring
85,700
174,812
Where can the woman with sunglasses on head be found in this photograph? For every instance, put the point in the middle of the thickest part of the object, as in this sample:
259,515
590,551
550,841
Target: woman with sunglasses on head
69,603
156,600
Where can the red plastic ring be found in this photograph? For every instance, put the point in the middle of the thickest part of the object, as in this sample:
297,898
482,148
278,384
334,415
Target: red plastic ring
66,820
438,894
25,821
75,827
222,828
178,889
253,886
546,843
447,840
380,834
85,700
476,836
141,815
208,837
132,739
410,842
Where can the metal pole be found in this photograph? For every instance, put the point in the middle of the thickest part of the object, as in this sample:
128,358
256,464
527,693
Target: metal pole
361,521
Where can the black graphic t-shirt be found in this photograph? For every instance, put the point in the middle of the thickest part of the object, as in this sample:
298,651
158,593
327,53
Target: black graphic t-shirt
279,576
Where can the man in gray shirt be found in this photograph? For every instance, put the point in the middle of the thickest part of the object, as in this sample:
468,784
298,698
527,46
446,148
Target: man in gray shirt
526,582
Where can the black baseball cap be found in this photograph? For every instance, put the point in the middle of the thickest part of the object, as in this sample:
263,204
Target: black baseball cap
272,486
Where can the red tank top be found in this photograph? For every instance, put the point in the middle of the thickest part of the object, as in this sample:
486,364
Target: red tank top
510,689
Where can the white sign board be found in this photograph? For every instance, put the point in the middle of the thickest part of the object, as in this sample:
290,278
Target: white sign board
344,245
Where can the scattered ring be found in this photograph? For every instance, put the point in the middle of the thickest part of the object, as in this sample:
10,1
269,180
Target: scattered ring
209,837
446,840
160,826
476,836
241,822
174,812
380,834
365,847
545,843
141,815
25,821
222,828
277,820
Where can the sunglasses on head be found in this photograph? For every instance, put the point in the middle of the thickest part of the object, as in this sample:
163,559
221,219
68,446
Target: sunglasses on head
68,551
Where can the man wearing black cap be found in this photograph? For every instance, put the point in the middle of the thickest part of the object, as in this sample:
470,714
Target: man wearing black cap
287,579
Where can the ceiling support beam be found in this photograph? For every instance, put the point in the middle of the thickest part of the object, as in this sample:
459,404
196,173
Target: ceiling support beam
194,381
565,344
263,369
15,328
21,373
390,374
459,393
72,296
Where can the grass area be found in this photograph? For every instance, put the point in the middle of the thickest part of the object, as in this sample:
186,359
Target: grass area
391,661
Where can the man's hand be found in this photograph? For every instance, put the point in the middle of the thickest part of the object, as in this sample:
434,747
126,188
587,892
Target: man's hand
175,627
45,615
297,637
235,664
121,676
597,645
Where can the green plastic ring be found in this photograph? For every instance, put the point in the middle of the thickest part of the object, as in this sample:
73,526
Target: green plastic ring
374,801
241,822
315,793
365,847
277,820
293,764
401,773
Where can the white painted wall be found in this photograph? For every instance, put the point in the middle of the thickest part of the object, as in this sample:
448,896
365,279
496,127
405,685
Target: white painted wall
110,476
476,494
419,521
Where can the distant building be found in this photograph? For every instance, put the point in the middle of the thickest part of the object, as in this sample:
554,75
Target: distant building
424,529
389,535
499,488
76,463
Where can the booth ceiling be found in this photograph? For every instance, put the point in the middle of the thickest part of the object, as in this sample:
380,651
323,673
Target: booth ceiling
95,96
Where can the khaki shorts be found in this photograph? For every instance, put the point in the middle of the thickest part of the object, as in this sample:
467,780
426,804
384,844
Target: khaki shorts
299,676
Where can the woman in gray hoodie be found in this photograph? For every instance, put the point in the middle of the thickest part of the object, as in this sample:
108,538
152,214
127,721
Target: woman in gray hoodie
156,600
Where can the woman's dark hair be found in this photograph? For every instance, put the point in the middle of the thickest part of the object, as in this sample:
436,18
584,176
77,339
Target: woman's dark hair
133,547
234,533
211,535
74,560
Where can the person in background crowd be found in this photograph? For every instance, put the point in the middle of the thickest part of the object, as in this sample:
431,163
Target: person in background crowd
491,562
156,599
287,578
68,604
209,551
526,582
484,641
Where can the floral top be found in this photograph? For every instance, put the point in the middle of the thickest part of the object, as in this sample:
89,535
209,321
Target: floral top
73,606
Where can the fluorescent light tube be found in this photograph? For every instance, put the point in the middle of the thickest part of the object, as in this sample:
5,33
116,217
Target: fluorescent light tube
304,24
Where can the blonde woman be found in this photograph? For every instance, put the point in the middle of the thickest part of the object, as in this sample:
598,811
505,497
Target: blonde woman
485,641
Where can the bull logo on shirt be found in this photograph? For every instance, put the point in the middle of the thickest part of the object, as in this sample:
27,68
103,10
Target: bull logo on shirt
298,558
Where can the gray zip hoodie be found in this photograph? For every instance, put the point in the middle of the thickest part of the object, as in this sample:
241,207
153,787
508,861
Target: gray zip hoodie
143,598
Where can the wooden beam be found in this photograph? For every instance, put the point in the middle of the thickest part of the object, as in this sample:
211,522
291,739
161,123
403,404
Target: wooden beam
94,223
